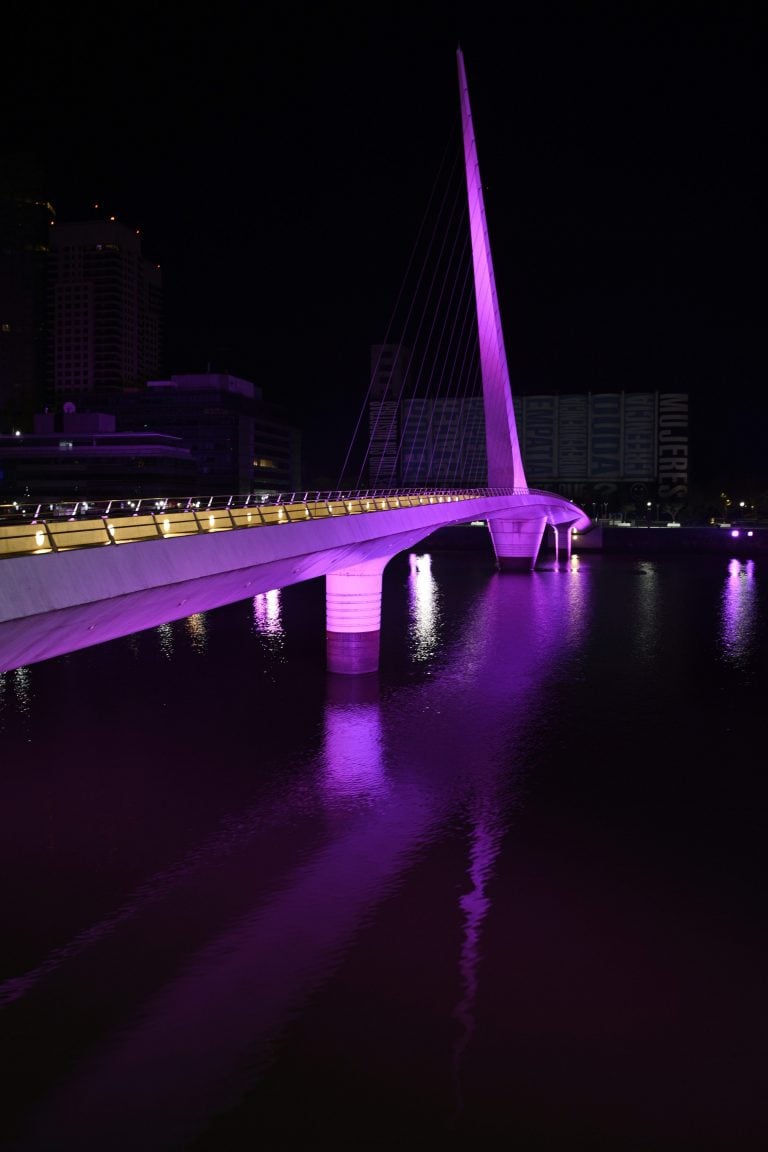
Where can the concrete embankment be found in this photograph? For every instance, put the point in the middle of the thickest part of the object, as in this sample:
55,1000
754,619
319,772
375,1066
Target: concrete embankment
714,540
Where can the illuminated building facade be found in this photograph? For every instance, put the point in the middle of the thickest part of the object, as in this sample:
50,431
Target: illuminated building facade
609,449
604,451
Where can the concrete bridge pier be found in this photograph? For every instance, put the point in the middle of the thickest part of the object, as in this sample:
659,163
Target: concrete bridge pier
353,617
563,534
567,532
517,542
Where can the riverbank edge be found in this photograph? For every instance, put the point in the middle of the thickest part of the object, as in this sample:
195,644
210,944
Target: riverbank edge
712,540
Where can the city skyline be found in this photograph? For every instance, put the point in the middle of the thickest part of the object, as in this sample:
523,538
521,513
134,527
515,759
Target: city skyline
621,155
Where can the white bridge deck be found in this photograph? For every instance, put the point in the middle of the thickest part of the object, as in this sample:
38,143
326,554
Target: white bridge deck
69,582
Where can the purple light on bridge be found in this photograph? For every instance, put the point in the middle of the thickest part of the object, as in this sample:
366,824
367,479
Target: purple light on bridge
505,462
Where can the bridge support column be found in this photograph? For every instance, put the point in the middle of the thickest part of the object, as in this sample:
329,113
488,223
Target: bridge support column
517,542
563,534
353,617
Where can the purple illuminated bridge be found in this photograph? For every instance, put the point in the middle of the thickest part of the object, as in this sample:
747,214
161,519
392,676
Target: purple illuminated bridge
79,580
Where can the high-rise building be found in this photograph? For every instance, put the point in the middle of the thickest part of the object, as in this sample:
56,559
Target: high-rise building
607,449
389,364
25,217
105,309
101,348
415,441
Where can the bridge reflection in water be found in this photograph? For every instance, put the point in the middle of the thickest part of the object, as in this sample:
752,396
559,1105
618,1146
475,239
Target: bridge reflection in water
428,900
386,781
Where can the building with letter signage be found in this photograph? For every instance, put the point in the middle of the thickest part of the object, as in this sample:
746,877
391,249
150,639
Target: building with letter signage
610,449
609,452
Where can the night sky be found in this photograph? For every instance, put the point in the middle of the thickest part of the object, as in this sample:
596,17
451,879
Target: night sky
278,159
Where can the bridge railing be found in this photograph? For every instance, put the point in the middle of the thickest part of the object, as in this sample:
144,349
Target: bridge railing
56,526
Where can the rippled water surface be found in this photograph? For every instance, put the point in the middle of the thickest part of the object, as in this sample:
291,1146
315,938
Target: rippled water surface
509,892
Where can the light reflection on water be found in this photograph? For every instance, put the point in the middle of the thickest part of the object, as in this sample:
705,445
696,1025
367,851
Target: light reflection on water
266,613
394,774
487,828
577,595
268,625
424,603
16,693
353,767
738,612
314,876
165,639
197,630
645,614
21,679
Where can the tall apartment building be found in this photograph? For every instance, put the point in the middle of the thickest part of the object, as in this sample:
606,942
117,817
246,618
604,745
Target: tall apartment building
607,448
105,310
416,441
102,349
389,366
25,217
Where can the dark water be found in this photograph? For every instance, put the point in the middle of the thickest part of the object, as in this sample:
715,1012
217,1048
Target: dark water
509,893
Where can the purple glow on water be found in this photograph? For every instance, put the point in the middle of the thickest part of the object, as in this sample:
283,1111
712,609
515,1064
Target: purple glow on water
738,612
353,762
431,903
475,904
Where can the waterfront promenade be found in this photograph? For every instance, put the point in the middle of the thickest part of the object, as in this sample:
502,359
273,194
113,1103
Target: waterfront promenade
735,540
628,539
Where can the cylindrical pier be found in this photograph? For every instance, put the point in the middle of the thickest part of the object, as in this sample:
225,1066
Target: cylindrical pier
353,618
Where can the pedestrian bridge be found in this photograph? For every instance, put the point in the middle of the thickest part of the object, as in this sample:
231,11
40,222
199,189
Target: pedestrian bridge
72,577
75,576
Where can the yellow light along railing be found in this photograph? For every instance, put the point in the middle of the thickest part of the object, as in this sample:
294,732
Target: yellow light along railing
60,527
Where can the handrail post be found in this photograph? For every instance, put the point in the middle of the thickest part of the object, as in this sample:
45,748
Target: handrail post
49,534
